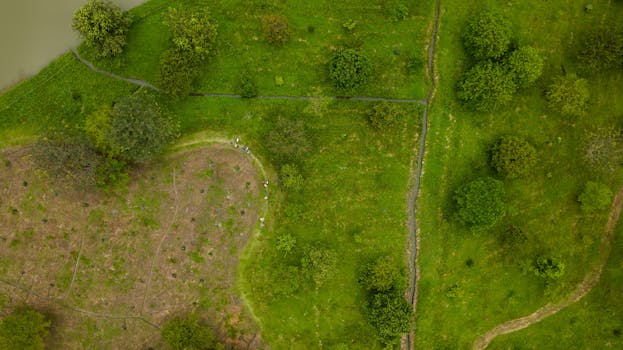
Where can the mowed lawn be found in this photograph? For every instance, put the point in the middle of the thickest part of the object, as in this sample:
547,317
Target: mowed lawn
469,282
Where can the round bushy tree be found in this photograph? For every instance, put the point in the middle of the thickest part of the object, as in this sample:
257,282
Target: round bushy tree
526,65
187,334
381,275
486,86
349,69
23,329
177,72
139,130
512,156
602,49
390,314
487,36
596,197
568,94
194,34
276,29
384,115
103,26
481,202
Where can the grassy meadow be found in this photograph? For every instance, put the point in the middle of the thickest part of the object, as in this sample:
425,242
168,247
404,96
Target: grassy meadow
470,282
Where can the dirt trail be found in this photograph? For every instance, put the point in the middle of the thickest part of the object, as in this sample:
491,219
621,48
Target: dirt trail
590,280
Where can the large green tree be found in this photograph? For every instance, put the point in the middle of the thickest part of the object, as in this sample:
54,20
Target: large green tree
139,129
103,26
23,329
486,86
525,64
487,36
349,69
481,202
568,94
512,156
390,314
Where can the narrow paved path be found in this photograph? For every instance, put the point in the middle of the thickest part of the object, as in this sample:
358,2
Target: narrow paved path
414,234
277,97
590,280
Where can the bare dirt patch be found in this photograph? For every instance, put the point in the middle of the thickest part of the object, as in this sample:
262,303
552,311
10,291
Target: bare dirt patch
112,268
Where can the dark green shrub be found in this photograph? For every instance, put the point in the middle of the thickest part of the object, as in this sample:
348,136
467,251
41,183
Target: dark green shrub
349,69
276,29
486,86
487,36
602,49
512,157
23,329
248,86
381,275
526,65
111,173
568,94
285,243
481,202
384,115
287,141
194,34
513,238
291,177
139,129
187,334
390,314
177,73
318,264
549,268
596,197
103,26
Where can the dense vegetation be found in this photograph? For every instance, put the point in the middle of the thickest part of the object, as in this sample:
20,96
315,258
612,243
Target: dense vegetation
24,329
103,26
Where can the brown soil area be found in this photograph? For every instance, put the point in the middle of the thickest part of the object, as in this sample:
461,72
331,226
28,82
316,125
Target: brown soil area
590,280
112,268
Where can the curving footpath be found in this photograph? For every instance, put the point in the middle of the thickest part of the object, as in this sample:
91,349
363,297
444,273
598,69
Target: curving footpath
414,234
590,280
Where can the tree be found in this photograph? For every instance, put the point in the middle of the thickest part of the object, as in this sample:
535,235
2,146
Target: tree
187,334
139,129
381,275
486,86
487,36
549,268
568,94
481,202
596,197
193,32
390,314
285,243
177,72
604,148
602,49
526,65
276,29
291,177
248,86
318,263
349,69
287,141
103,26
24,329
512,157
384,115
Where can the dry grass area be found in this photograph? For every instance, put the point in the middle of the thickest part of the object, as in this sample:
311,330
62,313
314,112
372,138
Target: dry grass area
168,245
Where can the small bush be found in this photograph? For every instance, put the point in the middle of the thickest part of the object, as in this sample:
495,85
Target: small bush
513,238
291,177
596,197
526,65
103,26
512,157
384,115
276,29
23,329
318,264
390,314
568,94
486,86
285,243
487,36
187,334
382,275
549,268
481,202
248,86
349,69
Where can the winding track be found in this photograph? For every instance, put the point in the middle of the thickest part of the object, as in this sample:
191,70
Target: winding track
590,280
414,234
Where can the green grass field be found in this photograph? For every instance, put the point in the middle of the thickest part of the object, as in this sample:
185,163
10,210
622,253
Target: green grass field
544,204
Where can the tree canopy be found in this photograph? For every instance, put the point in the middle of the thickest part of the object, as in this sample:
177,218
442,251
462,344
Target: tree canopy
568,94
381,275
481,202
187,334
390,314
602,48
486,86
526,65
349,69
23,329
103,26
487,36
512,156
595,197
